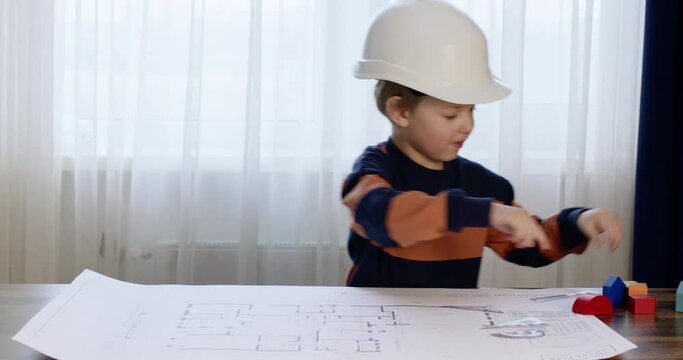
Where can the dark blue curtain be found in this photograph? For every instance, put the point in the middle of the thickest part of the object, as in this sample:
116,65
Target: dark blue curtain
658,220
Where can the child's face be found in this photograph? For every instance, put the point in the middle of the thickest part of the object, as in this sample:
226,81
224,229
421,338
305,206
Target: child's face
437,130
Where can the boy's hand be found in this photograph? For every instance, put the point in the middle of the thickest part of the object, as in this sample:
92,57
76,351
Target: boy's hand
522,229
601,226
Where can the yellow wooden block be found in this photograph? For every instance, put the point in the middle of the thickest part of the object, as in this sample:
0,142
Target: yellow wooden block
637,289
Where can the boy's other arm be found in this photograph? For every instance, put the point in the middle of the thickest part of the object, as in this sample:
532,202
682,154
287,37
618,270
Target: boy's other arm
564,237
601,226
394,218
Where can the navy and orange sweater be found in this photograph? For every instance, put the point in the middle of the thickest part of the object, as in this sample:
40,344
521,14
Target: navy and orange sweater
417,227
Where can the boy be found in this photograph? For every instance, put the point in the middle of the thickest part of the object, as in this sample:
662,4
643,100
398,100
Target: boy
422,215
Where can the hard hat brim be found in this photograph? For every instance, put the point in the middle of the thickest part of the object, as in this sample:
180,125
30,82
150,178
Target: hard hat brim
456,93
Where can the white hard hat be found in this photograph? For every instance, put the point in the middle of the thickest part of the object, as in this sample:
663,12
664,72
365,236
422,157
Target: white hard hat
432,47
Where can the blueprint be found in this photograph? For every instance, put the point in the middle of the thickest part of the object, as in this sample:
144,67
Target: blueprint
99,317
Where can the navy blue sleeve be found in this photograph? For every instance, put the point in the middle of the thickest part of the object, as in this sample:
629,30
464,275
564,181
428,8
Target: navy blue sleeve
572,236
466,211
371,215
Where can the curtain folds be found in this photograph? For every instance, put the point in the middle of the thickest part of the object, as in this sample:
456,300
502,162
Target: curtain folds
29,164
658,221
205,141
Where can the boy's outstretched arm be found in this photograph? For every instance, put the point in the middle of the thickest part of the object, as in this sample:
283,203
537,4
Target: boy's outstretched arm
394,218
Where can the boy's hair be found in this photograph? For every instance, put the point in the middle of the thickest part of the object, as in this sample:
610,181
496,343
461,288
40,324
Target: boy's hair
386,89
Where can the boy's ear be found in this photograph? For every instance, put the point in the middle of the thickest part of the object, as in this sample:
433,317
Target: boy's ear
396,113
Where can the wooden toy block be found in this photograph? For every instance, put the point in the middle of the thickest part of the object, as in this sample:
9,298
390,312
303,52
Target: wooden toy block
642,304
637,289
628,282
679,297
591,304
615,290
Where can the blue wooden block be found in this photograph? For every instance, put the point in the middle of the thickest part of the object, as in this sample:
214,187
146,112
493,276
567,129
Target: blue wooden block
615,290
679,297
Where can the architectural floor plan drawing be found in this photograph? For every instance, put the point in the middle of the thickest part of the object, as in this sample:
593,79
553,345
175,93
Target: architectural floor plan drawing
99,317
282,328
298,328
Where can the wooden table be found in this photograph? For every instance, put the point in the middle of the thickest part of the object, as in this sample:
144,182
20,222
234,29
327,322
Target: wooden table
658,336
18,303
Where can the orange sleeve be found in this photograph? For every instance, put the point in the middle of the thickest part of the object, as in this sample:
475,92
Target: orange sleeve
498,242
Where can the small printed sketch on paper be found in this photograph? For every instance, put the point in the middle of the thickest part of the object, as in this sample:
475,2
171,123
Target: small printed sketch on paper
521,334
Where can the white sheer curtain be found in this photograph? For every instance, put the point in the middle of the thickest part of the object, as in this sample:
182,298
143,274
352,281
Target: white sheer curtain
567,135
29,156
206,141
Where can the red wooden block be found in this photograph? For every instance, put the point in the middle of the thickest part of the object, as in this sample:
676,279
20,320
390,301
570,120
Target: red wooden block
591,304
642,304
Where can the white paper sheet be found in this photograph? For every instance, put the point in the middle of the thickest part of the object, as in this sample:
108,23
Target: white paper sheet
101,318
